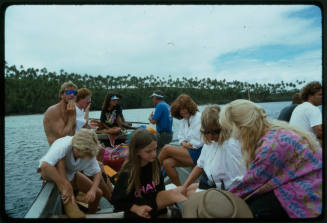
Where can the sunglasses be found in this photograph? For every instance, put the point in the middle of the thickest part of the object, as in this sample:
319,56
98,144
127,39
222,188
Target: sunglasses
212,132
68,92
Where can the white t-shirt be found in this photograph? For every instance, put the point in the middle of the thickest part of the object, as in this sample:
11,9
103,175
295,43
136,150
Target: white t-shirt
223,162
305,116
80,121
61,148
191,134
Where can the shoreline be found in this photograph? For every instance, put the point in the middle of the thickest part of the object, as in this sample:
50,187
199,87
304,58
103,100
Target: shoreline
25,114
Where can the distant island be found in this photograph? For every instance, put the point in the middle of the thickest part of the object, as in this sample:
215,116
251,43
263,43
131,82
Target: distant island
30,91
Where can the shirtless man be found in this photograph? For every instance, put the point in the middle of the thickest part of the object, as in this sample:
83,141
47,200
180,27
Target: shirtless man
60,119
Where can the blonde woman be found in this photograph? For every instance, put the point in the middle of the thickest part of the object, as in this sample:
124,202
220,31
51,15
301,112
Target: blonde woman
284,165
187,154
65,160
220,162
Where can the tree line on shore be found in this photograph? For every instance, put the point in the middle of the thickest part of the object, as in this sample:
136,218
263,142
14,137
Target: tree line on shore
30,91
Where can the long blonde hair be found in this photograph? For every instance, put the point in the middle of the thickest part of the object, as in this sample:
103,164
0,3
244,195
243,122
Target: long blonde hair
248,122
140,139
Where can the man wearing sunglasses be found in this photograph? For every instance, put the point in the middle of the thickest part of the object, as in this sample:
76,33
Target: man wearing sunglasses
60,119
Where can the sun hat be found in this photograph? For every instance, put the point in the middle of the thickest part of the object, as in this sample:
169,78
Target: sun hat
216,203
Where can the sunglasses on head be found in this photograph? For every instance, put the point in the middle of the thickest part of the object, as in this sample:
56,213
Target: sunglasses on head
68,92
212,132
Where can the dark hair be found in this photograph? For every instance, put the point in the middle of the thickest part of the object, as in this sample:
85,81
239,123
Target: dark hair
310,89
140,139
183,102
107,101
82,93
297,99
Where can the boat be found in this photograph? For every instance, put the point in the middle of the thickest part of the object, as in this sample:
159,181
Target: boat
47,203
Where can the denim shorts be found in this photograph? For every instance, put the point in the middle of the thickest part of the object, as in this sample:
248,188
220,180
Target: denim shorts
195,154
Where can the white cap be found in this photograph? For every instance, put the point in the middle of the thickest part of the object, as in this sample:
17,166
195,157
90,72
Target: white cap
114,98
156,95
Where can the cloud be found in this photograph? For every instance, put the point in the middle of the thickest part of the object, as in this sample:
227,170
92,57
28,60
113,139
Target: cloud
167,40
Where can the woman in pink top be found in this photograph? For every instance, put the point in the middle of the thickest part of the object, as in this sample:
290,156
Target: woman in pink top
284,165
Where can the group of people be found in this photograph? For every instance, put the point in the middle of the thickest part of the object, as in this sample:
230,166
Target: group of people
270,169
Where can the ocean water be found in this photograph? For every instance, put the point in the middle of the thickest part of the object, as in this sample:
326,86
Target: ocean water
25,144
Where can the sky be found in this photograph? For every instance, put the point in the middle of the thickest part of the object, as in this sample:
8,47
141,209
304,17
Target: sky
253,43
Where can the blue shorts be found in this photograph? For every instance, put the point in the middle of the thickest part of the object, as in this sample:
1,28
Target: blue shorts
195,154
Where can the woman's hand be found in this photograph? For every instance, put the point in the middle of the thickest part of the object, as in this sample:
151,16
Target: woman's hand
87,109
93,124
141,210
187,145
182,189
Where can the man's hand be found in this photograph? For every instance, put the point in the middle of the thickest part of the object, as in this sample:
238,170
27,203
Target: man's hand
90,196
71,108
150,116
67,193
141,210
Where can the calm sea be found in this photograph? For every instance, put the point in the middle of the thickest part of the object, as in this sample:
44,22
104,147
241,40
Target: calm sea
25,144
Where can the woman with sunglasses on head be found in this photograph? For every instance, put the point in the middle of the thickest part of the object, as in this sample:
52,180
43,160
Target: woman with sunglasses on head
284,164
60,119
220,162
110,115
186,110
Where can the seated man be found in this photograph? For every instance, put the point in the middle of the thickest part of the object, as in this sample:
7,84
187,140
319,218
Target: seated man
286,113
162,119
60,119
307,115
63,162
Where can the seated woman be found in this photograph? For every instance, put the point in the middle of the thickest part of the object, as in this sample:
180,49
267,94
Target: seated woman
220,162
83,104
284,164
139,191
110,114
185,109
110,119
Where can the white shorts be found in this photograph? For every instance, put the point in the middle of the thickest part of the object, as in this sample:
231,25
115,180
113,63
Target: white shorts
170,186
